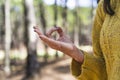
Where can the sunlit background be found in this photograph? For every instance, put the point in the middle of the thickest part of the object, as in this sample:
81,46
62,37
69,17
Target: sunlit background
23,56
71,3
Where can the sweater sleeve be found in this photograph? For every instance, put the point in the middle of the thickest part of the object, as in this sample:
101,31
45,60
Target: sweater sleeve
93,67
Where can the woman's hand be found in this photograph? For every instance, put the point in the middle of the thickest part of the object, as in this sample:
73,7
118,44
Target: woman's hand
63,43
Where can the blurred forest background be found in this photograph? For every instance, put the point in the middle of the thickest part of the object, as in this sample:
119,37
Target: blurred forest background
22,55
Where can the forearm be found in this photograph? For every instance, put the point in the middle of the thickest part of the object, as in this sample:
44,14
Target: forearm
76,54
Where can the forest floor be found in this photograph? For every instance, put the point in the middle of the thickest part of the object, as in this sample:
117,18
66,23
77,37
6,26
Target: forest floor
58,70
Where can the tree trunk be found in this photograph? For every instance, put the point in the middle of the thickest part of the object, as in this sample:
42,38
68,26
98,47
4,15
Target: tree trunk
98,1
55,13
64,15
7,36
44,26
2,26
30,39
77,25
55,20
15,32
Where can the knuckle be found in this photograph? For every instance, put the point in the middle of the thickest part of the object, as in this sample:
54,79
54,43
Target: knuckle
46,34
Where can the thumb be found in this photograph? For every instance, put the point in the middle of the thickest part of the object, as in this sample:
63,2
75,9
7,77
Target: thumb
60,31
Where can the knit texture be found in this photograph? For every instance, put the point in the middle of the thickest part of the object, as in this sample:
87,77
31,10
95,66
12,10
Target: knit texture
104,64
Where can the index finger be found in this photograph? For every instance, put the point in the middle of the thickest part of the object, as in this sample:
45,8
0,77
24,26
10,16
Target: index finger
58,29
56,44
37,30
49,33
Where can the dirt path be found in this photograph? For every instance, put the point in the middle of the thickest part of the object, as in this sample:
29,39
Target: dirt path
59,70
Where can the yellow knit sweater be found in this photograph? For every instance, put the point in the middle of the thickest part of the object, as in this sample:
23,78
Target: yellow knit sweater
104,64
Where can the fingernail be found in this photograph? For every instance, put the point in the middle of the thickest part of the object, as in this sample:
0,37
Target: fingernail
34,30
40,36
56,27
34,27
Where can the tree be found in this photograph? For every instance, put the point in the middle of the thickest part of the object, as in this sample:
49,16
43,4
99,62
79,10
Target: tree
55,20
77,26
30,39
55,13
64,15
98,1
2,25
16,21
44,25
7,36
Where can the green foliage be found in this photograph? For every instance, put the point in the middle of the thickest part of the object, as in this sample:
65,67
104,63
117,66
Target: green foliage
1,2
84,13
17,5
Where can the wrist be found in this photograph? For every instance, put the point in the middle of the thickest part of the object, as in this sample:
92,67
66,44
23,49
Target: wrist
79,56
76,54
